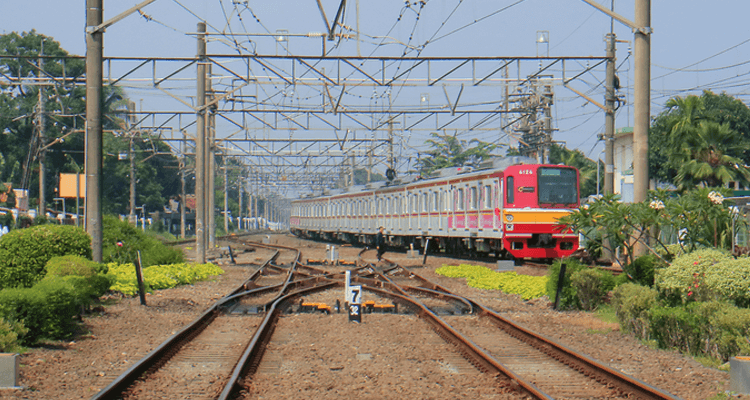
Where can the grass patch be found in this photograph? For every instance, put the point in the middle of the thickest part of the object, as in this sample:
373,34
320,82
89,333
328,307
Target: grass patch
607,313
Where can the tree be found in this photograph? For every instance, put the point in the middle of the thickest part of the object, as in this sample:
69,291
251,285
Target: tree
19,141
64,112
450,151
689,131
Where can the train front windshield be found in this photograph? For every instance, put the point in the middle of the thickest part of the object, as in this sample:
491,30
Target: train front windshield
557,186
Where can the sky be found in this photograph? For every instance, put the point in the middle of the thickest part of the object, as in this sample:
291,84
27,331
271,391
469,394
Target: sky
696,45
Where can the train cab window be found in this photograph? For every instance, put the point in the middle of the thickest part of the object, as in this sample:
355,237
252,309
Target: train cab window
510,190
558,185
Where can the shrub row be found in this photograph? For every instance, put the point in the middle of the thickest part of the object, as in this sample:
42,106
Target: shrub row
705,275
714,328
24,253
583,287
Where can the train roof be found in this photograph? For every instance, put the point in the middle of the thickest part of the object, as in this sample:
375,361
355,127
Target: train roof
496,163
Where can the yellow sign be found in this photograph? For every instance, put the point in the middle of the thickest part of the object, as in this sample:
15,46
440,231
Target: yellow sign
68,185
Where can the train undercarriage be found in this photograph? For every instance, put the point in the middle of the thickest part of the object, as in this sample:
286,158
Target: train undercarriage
538,246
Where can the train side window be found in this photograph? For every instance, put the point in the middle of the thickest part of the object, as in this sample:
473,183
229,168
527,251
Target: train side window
487,197
461,200
435,196
473,199
510,189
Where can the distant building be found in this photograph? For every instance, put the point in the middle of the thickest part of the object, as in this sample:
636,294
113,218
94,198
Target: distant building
623,163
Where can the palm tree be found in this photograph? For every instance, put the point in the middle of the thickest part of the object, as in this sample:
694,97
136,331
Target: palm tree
709,154
450,151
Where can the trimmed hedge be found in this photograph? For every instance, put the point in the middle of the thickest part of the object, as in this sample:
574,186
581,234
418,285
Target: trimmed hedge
48,310
705,275
592,286
10,334
25,252
569,294
132,240
87,276
632,303
715,329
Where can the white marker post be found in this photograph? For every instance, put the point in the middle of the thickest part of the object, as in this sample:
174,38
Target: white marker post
355,303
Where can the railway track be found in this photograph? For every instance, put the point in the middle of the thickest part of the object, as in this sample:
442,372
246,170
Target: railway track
213,357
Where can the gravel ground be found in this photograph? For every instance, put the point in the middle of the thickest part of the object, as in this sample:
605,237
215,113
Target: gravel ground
122,331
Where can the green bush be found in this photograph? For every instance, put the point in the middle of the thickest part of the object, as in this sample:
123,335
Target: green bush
713,329
730,280
132,240
642,269
88,277
10,333
569,295
727,330
632,303
675,328
592,286
48,310
677,282
25,252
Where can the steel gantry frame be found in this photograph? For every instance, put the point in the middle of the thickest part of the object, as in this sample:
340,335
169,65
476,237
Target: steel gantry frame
251,97
316,117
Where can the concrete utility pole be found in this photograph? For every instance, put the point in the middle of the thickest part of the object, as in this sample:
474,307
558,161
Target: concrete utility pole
609,119
42,143
200,152
226,201
183,195
239,217
642,99
642,107
94,41
211,166
642,96
132,217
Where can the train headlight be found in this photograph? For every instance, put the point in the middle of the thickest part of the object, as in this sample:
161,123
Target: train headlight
508,227
509,217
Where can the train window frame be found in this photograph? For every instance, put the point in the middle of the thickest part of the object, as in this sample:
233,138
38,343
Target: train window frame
509,190
473,198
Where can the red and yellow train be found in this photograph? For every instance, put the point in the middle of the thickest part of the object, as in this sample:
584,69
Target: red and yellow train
507,206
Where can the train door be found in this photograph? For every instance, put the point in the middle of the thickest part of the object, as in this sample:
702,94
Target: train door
389,211
440,208
432,210
497,215
473,206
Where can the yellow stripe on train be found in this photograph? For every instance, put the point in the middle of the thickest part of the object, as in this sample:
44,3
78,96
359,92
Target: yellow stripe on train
515,216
